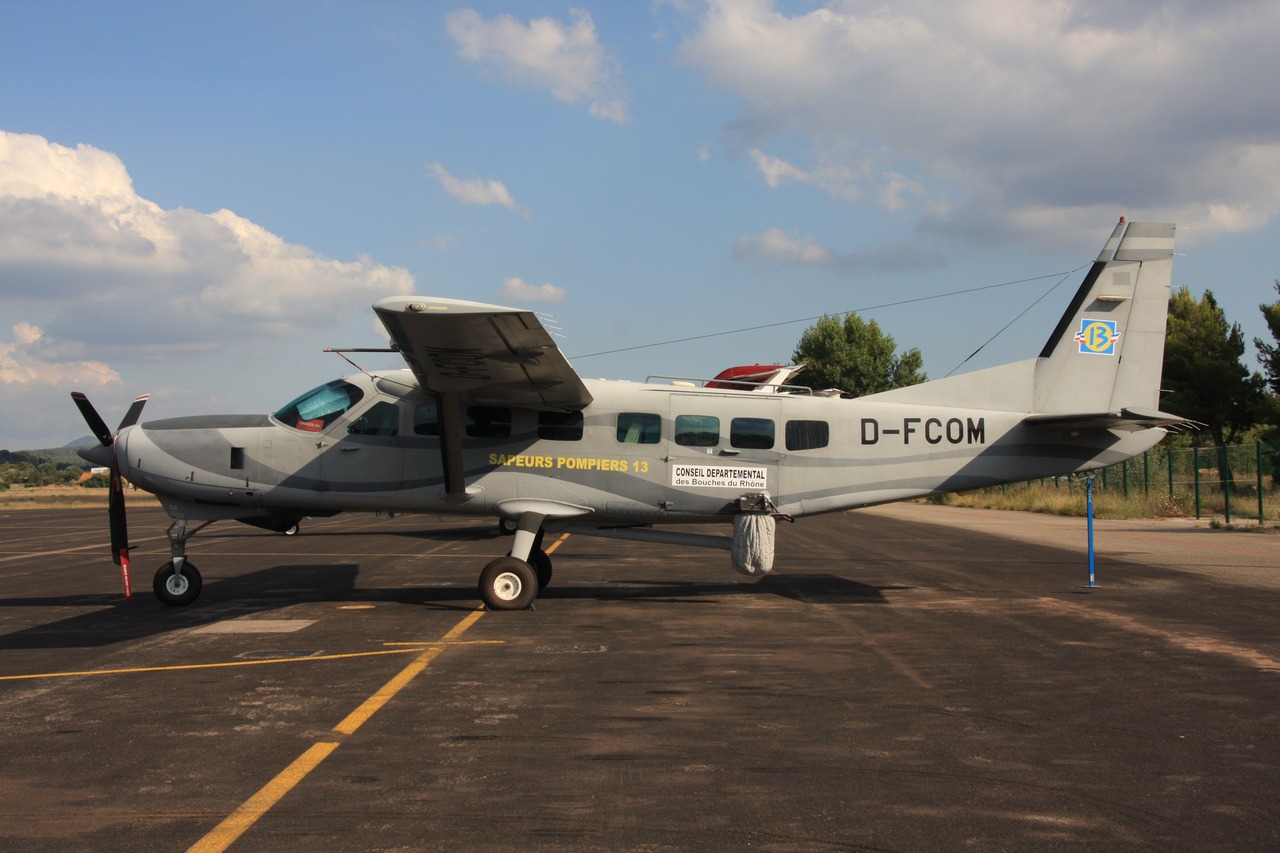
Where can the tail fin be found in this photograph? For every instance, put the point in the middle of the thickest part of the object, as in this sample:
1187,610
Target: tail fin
1107,352
1101,367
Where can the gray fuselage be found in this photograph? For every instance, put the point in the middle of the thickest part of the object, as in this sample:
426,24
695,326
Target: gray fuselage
641,453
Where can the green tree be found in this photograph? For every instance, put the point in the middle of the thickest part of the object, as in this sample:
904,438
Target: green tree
1202,370
855,356
1269,354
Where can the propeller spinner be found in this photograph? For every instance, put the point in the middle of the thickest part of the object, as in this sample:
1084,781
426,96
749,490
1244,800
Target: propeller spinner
115,497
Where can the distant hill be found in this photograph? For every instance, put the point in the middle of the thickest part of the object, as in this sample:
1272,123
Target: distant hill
60,456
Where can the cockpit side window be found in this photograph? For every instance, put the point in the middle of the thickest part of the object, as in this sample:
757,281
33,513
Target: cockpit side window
382,418
320,407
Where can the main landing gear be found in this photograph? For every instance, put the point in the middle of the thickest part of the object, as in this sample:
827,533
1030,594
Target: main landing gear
514,581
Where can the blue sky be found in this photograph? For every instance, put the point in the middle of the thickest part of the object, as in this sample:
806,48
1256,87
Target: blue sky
196,198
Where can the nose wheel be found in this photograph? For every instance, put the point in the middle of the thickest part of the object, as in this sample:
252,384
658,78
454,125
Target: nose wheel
175,587
177,583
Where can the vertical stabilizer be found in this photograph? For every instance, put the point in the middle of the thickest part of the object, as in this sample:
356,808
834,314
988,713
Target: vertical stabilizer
1107,351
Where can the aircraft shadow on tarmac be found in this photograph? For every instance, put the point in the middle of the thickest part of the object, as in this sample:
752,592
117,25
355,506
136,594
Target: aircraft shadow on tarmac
809,588
114,620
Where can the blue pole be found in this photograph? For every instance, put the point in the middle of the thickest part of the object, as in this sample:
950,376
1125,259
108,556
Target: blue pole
1088,491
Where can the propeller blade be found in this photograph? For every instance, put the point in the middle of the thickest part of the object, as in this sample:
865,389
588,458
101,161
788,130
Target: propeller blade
135,412
96,425
119,527
116,520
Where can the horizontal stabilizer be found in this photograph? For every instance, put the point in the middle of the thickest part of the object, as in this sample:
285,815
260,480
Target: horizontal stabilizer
1129,420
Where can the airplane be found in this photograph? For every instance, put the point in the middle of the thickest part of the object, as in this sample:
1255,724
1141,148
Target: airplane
489,418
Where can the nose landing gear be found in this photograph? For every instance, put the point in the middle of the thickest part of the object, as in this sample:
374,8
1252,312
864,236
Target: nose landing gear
177,586
178,583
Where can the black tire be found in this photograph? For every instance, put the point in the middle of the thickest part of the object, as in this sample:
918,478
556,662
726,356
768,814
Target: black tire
542,566
177,591
508,526
293,529
508,584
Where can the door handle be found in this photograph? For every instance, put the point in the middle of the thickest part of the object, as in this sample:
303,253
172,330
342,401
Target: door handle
724,451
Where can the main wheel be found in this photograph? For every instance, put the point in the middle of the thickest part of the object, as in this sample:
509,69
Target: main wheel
177,590
542,566
508,584
508,526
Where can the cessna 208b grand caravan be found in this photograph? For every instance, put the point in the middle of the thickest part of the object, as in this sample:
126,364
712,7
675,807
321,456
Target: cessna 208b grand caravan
490,419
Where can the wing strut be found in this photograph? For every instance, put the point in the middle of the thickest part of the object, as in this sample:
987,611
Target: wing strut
451,443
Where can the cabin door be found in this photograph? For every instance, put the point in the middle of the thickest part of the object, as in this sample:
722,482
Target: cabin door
723,447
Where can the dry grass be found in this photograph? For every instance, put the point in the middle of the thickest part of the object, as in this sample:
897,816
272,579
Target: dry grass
67,497
1033,497
1070,501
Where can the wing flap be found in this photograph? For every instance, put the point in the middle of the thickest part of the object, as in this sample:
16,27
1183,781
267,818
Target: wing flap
488,354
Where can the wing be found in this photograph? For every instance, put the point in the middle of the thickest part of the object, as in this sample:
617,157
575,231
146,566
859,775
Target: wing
1129,420
487,354
469,353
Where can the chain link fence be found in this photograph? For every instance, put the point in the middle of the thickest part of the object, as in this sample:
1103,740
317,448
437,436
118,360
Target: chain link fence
1236,482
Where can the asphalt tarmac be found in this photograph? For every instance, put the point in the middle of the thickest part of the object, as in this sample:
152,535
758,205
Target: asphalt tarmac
910,678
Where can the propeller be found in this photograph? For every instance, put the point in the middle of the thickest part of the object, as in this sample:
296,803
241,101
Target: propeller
115,496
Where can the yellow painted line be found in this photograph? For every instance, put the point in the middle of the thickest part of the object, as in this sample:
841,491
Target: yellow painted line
556,544
225,834
223,664
370,706
251,811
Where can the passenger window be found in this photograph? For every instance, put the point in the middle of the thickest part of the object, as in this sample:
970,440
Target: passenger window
639,428
807,435
383,418
751,433
426,418
697,430
488,422
319,407
560,426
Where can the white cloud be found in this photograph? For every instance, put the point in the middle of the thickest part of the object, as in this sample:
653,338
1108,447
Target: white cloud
519,290
777,246
29,361
439,243
565,59
852,183
992,119
476,192
103,266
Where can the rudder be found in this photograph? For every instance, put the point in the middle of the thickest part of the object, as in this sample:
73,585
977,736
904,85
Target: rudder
1107,351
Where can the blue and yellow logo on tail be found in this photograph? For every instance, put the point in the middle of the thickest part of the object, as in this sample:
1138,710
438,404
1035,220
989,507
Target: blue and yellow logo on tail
1097,337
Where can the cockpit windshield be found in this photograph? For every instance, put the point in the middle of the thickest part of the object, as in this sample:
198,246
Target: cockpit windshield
319,407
